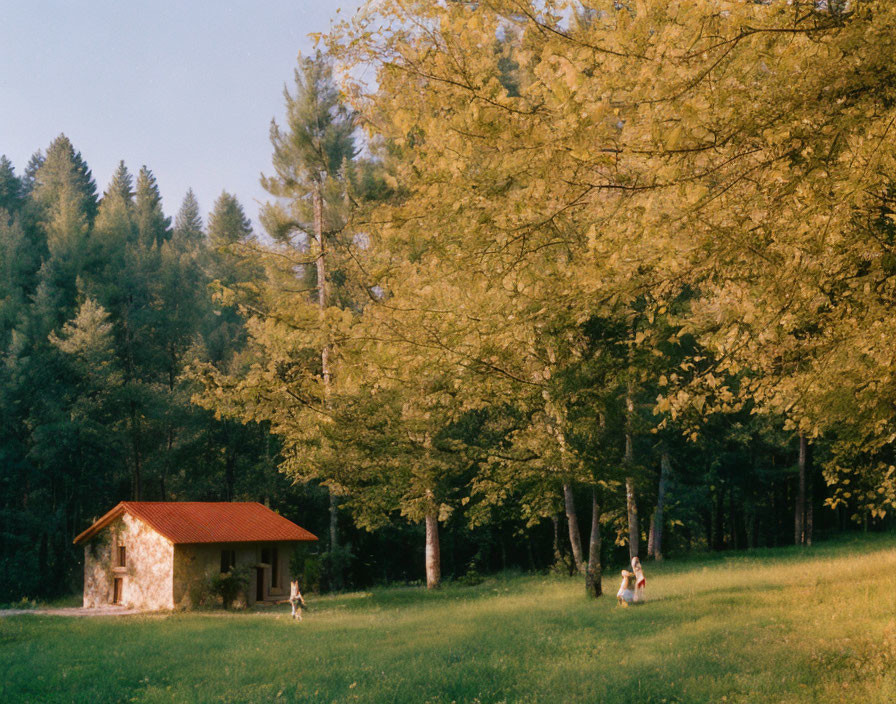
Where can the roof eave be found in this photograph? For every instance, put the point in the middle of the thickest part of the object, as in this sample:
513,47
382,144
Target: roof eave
123,507
312,539
101,523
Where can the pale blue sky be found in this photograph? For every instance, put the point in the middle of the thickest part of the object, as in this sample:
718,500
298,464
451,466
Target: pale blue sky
186,87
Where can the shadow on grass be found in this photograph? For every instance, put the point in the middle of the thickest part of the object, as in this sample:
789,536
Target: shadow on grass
417,596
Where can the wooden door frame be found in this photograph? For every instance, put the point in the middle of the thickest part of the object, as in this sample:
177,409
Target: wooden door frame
259,583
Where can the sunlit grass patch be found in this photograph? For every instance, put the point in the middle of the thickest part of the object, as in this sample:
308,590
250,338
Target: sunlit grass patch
784,625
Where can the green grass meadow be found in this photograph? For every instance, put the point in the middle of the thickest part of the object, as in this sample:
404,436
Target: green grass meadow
786,625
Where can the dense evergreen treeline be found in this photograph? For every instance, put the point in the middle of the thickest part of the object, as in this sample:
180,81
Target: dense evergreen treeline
448,345
104,303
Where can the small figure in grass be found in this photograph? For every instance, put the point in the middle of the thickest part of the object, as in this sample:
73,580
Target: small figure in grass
626,595
631,591
296,600
640,579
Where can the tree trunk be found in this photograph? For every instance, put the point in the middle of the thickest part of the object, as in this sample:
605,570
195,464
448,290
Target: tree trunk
166,466
137,479
558,556
169,445
810,500
503,546
322,292
230,467
336,563
810,523
658,516
433,561
810,495
323,302
799,514
733,543
631,505
43,559
593,573
575,539
651,536
708,525
718,540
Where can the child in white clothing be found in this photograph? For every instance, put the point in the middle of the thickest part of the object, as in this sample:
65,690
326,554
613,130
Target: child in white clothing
626,595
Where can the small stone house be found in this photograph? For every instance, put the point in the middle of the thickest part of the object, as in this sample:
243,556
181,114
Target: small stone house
162,555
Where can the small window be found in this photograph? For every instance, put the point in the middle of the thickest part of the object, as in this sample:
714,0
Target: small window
265,556
117,584
228,560
122,556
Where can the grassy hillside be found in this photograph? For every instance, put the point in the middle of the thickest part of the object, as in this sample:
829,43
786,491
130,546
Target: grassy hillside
817,625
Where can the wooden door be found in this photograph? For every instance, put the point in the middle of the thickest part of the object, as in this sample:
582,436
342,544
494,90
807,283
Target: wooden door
117,584
259,584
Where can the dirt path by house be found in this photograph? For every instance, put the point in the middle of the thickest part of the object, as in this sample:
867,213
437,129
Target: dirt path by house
72,611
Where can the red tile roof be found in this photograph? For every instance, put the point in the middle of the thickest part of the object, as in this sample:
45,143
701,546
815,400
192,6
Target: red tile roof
206,522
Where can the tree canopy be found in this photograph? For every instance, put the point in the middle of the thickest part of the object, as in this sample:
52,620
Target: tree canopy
519,255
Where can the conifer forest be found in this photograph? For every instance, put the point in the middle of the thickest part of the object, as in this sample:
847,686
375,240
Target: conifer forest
539,285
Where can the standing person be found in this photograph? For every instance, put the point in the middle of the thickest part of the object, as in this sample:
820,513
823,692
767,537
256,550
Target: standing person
626,594
640,580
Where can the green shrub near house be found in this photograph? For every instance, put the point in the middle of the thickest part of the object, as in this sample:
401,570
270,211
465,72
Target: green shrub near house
230,585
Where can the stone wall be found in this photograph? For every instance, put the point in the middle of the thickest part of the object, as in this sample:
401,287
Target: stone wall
98,570
196,564
147,576
160,575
